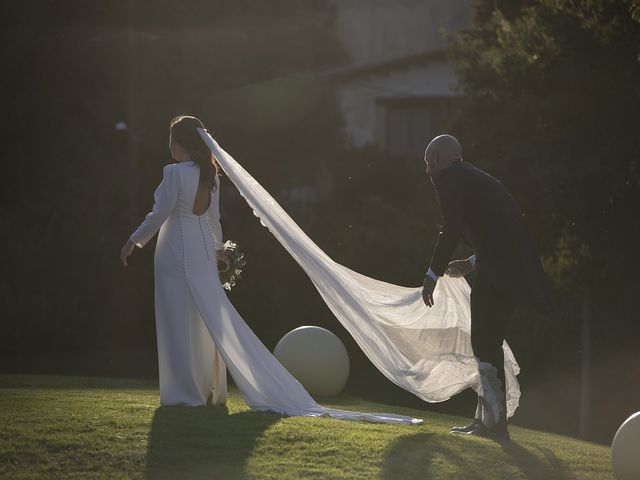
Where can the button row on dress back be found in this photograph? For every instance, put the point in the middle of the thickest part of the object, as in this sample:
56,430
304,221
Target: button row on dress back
184,256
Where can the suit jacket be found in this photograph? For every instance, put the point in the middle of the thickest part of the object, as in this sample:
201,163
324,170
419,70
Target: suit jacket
478,209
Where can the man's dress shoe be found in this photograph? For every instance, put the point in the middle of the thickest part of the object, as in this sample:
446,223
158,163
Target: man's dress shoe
499,432
466,428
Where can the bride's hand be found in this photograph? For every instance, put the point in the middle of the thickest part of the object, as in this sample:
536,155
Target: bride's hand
223,261
126,251
459,268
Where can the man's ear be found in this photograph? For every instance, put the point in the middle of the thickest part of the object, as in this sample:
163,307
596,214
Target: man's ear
435,160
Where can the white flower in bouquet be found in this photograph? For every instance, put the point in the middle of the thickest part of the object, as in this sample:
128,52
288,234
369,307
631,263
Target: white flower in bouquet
230,270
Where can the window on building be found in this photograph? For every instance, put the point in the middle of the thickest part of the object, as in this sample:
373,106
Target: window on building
406,125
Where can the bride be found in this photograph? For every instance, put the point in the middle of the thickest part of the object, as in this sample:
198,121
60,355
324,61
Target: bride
190,240
199,332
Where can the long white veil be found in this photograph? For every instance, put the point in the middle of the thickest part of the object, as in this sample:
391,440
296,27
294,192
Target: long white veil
426,351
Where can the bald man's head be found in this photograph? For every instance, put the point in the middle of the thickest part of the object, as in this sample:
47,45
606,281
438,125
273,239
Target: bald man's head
441,152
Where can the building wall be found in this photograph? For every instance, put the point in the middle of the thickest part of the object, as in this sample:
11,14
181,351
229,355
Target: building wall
381,32
359,97
378,31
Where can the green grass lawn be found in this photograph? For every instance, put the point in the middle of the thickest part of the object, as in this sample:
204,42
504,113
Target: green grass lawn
78,427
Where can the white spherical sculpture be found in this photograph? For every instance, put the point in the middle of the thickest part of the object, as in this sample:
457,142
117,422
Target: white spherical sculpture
316,358
625,449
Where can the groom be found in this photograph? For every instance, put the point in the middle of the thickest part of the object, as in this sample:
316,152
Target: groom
478,209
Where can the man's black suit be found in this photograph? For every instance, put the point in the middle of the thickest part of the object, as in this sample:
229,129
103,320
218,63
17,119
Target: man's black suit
478,209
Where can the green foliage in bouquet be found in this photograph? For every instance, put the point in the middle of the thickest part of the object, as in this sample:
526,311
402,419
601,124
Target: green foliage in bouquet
231,270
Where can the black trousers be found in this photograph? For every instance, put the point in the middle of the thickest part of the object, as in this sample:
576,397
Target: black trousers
490,314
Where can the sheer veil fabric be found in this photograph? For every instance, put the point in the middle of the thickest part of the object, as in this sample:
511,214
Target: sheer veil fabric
426,351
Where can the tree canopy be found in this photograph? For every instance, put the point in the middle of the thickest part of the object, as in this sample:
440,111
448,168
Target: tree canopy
551,102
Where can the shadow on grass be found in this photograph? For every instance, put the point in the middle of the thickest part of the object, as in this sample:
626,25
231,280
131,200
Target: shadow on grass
202,442
532,466
429,455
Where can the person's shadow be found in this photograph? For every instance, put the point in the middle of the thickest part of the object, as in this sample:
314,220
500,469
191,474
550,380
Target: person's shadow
202,442
425,455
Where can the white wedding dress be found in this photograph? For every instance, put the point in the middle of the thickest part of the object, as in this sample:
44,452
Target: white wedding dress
198,329
190,365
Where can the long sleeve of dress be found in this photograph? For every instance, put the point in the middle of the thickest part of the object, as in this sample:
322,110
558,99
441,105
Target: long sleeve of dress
214,217
165,198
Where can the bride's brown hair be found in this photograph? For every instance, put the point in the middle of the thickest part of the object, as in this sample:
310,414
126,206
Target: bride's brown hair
184,131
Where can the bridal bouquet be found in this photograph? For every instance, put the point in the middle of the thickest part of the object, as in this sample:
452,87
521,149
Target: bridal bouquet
231,272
